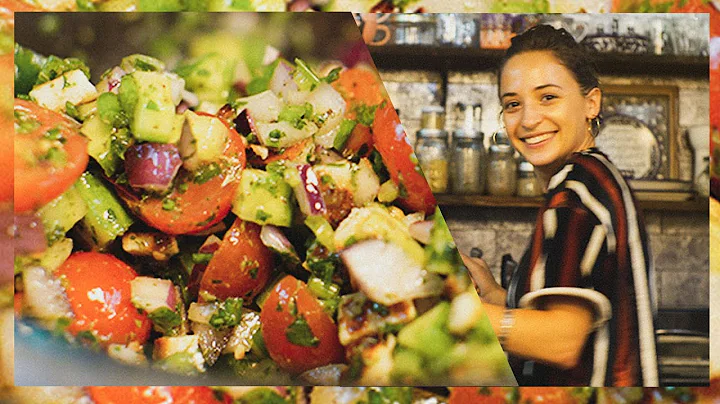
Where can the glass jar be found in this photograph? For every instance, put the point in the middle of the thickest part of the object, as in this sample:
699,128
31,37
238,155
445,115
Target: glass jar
413,29
467,162
432,154
527,183
432,117
501,170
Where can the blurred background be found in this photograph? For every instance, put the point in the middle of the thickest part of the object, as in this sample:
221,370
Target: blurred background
101,39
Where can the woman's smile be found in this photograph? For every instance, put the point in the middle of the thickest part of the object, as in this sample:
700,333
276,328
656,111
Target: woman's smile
536,140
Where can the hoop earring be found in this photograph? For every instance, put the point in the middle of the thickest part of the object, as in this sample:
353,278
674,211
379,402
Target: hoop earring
595,126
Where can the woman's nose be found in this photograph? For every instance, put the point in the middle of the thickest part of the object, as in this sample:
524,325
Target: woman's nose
531,117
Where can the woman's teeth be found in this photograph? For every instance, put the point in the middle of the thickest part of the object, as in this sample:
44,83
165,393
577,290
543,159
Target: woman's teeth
537,139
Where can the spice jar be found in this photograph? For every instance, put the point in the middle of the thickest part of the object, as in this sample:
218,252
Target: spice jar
501,170
432,117
432,153
467,162
527,183
414,29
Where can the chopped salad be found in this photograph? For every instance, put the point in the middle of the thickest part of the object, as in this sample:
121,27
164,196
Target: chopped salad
278,228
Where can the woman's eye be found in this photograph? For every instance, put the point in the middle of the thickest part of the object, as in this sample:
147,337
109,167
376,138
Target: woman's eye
511,105
548,97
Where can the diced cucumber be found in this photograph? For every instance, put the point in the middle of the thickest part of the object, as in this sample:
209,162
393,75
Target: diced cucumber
141,62
87,109
50,259
407,366
388,192
427,334
209,77
73,87
263,198
61,214
106,218
203,139
153,117
324,232
441,254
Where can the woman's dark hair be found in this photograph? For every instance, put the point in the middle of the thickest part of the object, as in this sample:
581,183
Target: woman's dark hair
562,45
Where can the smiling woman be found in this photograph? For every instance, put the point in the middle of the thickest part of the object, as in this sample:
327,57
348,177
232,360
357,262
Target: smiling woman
578,310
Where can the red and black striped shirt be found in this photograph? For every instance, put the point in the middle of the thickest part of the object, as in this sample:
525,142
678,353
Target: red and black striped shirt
590,237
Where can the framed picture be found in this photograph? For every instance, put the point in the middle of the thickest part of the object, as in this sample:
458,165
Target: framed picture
639,130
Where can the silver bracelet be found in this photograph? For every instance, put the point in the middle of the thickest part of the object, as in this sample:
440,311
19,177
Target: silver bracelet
506,324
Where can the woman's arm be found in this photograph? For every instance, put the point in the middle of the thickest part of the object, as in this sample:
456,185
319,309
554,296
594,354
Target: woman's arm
555,335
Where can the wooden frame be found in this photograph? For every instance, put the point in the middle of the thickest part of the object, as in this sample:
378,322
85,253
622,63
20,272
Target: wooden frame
652,107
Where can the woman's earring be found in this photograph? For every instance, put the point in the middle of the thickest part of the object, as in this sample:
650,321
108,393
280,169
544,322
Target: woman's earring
595,126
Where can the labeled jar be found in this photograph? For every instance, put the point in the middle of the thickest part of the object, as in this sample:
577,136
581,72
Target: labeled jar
527,183
501,170
467,162
432,154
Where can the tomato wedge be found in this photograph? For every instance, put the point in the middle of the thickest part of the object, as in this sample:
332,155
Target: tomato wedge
49,152
360,86
157,395
298,334
397,154
98,288
195,206
241,267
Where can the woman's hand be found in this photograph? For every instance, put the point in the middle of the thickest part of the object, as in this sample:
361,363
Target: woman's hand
488,289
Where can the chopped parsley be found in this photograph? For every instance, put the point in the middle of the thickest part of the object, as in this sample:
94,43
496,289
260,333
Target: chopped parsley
206,173
165,320
365,114
299,333
55,67
229,314
168,204
274,137
201,258
296,115
333,75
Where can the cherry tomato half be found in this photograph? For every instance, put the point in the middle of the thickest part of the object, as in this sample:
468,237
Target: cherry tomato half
399,158
195,206
241,267
157,395
298,334
49,152
98,288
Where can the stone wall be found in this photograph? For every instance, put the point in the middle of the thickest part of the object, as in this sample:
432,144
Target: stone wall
679,240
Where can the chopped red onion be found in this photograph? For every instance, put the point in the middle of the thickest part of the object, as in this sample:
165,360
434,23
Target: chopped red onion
275,239
29,235
152,166
308,193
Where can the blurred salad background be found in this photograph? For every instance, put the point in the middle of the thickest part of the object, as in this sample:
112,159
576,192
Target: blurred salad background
100,39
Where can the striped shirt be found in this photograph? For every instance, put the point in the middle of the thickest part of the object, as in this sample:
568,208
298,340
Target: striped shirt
590,235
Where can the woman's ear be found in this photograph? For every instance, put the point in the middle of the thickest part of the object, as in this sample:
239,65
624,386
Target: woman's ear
593,100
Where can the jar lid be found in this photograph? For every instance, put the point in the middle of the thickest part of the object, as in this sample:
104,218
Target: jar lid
432,133
413,18
433,109
501,149
525,166
463,134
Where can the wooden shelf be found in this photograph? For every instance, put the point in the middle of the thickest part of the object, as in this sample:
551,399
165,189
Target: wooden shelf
486,201
445,58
